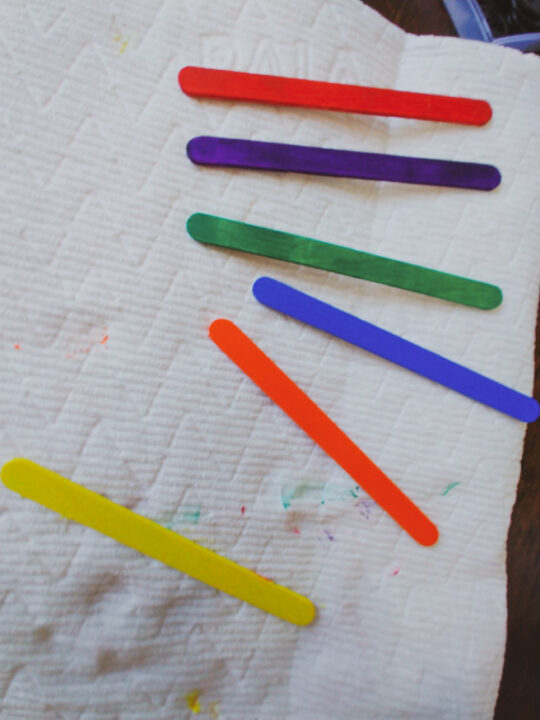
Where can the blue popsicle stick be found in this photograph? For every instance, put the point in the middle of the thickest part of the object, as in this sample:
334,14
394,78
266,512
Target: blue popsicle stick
308,309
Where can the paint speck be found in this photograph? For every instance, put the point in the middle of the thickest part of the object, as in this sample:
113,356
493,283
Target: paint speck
186,515
449,487
366,506
213,709
263,577
16,346
395,572
243,509
295,530
191,514
192,700
120,39
323,494
304,490
91,343
329,535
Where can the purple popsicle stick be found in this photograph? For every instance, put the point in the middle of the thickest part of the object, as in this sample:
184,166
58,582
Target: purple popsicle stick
228,152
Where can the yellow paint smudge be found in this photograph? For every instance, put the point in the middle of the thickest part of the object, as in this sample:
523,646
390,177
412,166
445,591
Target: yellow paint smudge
213,709
192,700
119,39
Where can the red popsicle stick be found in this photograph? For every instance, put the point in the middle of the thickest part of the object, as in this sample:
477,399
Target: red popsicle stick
309,416
276,90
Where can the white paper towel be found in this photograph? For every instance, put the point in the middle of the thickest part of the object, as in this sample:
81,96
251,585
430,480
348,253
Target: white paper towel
109,378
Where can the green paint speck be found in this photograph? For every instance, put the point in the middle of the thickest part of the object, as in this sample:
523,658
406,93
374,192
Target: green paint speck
449,487
191,515
288,494
325,493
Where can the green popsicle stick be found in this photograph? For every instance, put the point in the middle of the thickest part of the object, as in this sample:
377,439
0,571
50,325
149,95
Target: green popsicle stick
213,230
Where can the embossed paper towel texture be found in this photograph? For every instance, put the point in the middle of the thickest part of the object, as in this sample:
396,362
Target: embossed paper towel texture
108,375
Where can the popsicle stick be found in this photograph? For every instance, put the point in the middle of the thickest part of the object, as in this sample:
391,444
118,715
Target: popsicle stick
309,416
338,323
256,155
88,508
276,90
213,230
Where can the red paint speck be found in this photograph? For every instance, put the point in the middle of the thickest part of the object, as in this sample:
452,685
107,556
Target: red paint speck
296,531
395,572
16,346
264,577
243,509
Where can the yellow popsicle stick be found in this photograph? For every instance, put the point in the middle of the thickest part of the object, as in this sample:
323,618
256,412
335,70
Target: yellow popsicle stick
88,508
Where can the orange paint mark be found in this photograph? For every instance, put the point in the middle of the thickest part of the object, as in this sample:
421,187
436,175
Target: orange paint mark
86,350
16,346
263,577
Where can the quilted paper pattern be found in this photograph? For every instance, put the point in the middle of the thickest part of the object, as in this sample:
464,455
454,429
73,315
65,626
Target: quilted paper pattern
108,376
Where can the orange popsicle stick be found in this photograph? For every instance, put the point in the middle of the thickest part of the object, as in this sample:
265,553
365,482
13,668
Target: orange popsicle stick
298,406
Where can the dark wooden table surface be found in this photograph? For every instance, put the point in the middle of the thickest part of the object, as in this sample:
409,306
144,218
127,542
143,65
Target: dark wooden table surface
519,692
